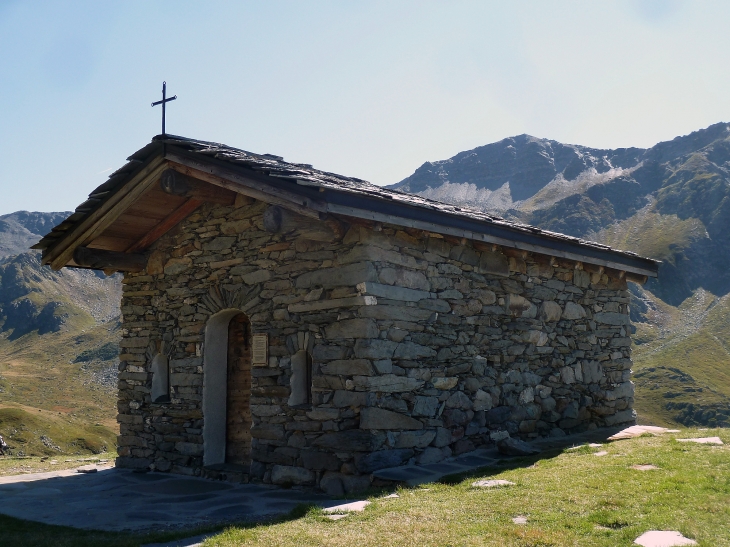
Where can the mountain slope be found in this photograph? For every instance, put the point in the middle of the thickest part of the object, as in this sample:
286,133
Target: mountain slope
670,202
57,373
20,230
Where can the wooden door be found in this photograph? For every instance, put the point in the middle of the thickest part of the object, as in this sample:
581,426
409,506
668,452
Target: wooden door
238,411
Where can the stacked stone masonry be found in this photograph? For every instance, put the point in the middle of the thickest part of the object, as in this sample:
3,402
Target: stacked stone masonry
422,347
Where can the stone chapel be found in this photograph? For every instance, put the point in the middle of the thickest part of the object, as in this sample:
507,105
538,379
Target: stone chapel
292,326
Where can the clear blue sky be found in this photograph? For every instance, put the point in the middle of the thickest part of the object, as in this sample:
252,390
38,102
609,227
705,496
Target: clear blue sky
369,89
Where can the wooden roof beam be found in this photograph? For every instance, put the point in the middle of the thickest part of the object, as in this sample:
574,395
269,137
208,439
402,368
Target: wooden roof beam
172,220
98,259
178,184
249,186
104,215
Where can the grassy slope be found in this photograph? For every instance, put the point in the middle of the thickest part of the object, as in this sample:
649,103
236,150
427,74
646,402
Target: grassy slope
651,234
683,376
43,392
572,498
680,356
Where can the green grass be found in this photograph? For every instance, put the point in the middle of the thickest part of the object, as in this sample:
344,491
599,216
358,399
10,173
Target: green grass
569,497
42,372
675,371
23,430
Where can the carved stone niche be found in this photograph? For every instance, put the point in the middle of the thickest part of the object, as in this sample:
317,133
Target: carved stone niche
300,344
160,368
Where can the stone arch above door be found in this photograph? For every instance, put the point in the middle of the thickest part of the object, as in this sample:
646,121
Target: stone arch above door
231,297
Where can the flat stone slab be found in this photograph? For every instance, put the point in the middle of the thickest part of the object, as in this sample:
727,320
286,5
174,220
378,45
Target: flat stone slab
656,538
703,440
639,430
336,517
119,499
516,447
413,475
492,483
87,469
355,506
645,467
520,520
601,453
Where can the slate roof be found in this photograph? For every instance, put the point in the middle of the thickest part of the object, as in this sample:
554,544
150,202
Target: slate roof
330,187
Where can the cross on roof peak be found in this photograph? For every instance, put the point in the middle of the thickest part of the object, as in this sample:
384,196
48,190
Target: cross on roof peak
162,102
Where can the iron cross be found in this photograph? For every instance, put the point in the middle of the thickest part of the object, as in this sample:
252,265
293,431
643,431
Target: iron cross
162,102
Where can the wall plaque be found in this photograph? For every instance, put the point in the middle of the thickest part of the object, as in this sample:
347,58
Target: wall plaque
260,349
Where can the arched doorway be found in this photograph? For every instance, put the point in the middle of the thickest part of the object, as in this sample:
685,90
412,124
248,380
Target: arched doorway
238,396
227,390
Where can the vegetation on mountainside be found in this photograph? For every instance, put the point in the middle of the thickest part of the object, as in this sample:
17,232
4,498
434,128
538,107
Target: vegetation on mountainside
651,234
36,432
57,367
44,372
682,363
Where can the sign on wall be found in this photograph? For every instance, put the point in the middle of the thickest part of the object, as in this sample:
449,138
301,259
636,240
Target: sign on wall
260,349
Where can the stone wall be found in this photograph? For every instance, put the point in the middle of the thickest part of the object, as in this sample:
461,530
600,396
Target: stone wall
422,346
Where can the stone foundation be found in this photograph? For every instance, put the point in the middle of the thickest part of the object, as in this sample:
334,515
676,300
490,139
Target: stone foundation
421,347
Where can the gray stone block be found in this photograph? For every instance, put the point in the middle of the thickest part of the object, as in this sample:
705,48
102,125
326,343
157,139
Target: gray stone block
391,292
415,439
409,350
375,348
344,398
322,352
382,459
430,455
550,311
352,328
425,406
494,263
348,276
498,415
622,417
331,484
317,460
612,318
460,400
348,367
395,313
516,447
189,449
378,418
286,474
352,440
387,383
404,278
573,311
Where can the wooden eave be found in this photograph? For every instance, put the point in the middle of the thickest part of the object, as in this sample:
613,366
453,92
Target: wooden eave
130,212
